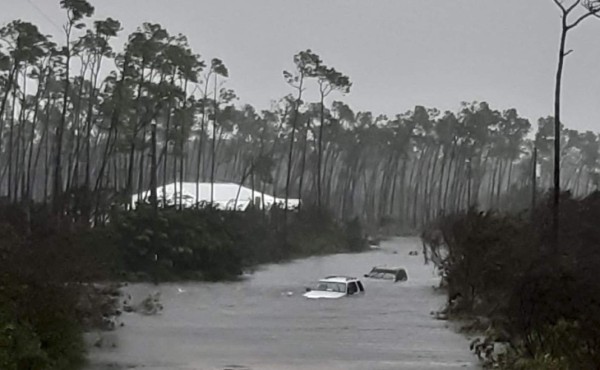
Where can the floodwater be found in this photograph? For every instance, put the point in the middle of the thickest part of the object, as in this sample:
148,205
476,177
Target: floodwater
264,323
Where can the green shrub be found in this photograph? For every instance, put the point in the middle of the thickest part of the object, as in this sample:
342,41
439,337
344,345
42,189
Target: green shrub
210,244
40,334
42,269
355,239
556,347
505,267
175,244
20,346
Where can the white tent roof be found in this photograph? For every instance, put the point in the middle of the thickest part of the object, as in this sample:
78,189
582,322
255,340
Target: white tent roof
224,195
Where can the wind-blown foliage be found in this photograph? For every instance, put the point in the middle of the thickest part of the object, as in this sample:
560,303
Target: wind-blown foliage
504,267
86,125
208,244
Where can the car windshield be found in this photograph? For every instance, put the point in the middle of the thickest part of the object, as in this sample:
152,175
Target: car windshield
327,286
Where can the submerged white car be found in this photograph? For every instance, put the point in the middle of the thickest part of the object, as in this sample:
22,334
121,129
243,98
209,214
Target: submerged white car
335,287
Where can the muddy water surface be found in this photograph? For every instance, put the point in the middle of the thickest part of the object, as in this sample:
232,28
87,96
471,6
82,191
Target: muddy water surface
264,323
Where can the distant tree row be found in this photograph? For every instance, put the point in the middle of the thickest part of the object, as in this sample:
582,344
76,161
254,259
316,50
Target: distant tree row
84,126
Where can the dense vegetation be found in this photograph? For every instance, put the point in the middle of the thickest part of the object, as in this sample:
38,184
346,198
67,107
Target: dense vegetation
541,302
87,124
47,295
46,298
209,244
78,140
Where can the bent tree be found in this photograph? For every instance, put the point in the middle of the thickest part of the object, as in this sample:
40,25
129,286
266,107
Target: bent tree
142,115
77,11
329,80
306,63
568,9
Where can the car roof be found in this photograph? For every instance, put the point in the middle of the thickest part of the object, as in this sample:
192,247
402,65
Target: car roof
387,269
339,279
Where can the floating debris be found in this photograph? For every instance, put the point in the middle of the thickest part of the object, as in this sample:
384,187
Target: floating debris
149,306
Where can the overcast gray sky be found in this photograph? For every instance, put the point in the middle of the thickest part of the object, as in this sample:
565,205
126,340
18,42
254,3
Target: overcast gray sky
397,53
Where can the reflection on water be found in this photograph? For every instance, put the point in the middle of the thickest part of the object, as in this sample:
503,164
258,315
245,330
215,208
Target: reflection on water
264,322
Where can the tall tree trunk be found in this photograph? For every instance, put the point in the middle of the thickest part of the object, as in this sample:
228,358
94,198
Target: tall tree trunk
213,145
39,93
10,146
165,153
289,164
320,151
58,183
422,160
501,172
73,154
383,188
174,172
34,173
440,205
153,168
200,167
456,181
303,167
392,204
47,151
450,171
142,164
88,127
20,146
332,159
534,176
7,90
429,184
407,200
493,183
182,141
509,180
557,129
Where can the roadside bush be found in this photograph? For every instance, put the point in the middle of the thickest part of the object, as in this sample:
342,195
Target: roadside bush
257,236
205,243
314,231
44,270
38,327
485,254
354,234
545,299
555,347
175,244
38,330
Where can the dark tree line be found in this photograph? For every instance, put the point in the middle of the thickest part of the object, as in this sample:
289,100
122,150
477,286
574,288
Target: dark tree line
84,126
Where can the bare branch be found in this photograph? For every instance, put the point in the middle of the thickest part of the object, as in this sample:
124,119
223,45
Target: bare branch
573,6
560,5
582,18
568,52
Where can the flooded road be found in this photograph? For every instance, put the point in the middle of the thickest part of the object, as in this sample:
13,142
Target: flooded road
264,323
